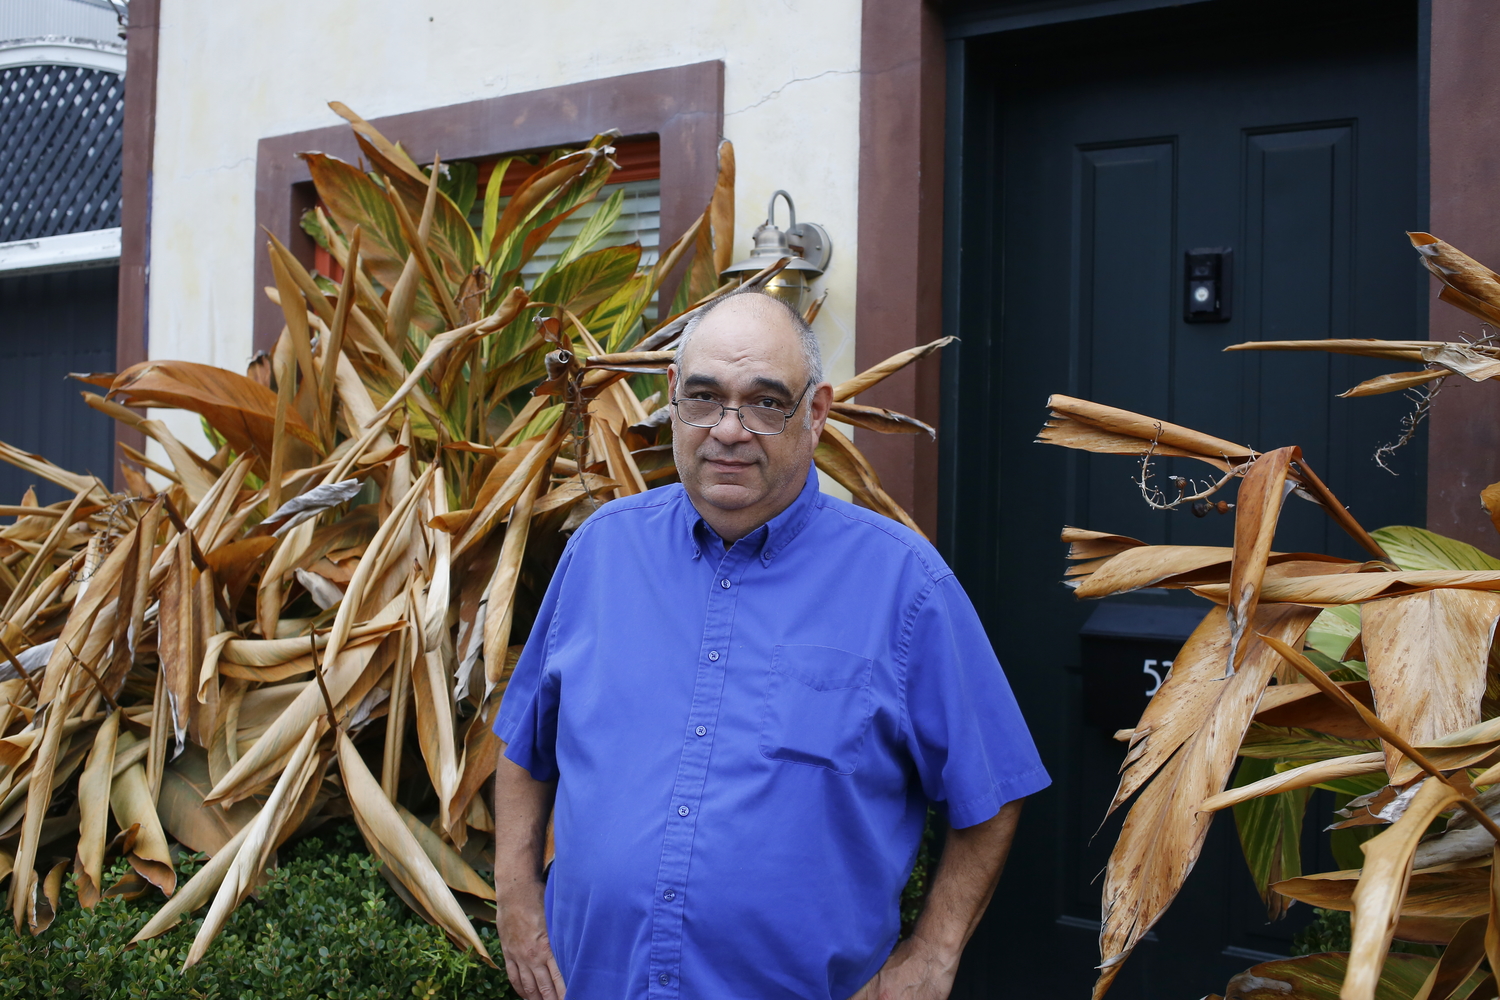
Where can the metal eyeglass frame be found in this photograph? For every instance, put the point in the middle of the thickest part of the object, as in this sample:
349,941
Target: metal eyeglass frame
786,415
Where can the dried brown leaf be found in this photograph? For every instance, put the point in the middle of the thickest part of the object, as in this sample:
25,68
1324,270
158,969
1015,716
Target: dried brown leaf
388,836
1457,269
873,376
1088,426
348,677
1395,382
1185,746
1382,887
185,784
242,410
1437,892
93,808
133,805
1257,509
261,836
1428,657
1297,777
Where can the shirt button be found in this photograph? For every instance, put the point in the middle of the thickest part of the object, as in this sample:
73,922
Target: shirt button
713,654
724,584
682,810
664,979
669,895
701,730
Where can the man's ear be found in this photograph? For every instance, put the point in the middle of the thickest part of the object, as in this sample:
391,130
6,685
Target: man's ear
818,406
672,381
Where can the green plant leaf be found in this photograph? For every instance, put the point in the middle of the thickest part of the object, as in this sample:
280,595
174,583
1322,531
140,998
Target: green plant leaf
619,314
547,198
492,201
1359,785
589,280
1419,549
1333,630
1299,744
452,241
1270,829
353,199
1345,670
460,182
594,229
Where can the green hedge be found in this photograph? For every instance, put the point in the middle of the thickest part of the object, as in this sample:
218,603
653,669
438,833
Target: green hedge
325,924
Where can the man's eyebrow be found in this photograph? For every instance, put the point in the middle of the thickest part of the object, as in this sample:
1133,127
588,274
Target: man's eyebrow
759,384
773,386
695,382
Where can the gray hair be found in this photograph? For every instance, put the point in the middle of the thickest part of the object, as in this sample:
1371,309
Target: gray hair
812,351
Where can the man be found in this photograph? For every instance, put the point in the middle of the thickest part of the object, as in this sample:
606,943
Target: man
737,702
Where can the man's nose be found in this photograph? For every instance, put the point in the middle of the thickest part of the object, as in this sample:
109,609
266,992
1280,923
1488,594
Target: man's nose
730,430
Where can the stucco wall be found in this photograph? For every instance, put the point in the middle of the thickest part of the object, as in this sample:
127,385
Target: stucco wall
231,73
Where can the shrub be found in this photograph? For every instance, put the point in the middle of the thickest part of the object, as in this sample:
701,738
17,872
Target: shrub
324,924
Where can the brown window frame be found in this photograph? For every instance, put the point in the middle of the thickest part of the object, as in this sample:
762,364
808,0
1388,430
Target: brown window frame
683,106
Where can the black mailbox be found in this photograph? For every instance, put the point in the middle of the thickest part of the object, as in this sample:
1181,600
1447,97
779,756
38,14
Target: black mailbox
1128,651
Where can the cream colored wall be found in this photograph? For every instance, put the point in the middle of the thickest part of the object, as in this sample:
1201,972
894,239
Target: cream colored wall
234,71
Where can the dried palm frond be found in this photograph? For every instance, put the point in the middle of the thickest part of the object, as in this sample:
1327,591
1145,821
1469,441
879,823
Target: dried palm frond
225,663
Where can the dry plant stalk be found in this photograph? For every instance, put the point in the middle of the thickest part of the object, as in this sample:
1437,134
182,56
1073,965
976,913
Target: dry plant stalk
344,580
1378,680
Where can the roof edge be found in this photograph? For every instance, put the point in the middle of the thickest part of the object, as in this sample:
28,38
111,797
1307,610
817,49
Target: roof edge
70,251
61,50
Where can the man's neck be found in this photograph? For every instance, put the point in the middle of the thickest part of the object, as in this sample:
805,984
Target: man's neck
732,525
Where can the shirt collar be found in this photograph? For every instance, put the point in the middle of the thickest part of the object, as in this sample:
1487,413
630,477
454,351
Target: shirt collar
771,538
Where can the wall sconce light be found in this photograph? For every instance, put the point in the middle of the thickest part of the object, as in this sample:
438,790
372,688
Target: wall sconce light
806,243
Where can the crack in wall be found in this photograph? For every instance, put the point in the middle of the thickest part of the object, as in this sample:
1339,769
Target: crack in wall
215,169
777,92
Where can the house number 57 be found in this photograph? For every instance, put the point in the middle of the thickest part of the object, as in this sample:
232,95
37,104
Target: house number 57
1150,668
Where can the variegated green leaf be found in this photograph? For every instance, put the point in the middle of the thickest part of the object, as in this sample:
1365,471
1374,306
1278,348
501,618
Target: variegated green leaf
1418,549
584,283
1270,829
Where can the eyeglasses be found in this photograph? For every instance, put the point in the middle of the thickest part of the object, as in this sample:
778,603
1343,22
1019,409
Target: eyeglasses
763,420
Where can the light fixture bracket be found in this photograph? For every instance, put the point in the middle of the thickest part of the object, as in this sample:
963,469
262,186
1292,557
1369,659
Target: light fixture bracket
811,242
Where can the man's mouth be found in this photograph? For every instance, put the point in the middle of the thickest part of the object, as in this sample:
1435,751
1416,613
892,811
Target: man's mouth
728,465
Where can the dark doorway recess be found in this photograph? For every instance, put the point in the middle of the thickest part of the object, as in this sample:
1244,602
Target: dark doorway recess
1086,161
52,324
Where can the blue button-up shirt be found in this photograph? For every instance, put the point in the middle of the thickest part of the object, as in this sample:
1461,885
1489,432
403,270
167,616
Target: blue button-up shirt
746,742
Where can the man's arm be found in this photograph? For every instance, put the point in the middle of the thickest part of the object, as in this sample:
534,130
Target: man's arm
522,806
923,966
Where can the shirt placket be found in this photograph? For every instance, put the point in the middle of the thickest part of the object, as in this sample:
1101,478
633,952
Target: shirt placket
672,889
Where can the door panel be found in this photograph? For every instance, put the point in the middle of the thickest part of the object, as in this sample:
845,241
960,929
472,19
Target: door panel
1094,156
1126,234
52,324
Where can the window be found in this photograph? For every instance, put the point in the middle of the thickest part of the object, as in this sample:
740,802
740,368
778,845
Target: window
639,177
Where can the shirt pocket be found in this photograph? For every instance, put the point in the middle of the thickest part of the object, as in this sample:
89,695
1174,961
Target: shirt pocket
818,707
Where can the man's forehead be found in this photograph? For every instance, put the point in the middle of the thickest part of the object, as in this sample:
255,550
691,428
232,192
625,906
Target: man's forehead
746,332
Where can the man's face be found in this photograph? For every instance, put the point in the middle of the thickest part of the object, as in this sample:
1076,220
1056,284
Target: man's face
746,352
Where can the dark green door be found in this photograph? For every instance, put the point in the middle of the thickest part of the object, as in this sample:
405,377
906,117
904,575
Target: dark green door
1090,159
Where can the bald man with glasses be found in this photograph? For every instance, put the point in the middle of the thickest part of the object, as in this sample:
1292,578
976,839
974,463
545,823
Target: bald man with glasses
737,703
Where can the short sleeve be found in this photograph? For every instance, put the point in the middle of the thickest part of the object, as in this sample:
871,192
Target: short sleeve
972,749
527,720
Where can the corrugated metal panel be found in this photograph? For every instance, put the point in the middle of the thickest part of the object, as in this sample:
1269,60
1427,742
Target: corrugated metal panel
92,19
60,131
52,324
